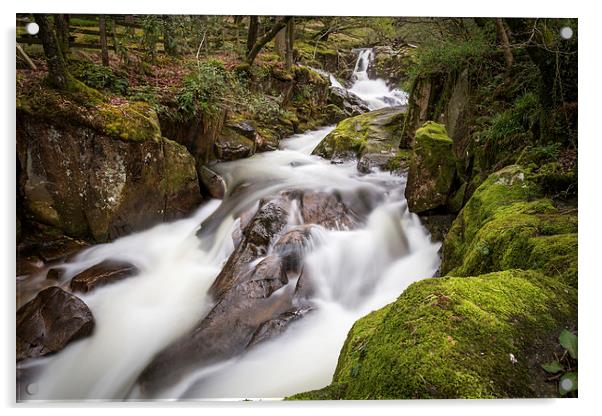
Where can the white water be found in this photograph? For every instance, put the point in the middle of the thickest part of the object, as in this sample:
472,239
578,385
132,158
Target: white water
354,272
374,92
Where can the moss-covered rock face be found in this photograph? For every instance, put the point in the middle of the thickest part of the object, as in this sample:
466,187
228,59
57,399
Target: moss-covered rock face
371,138
99,169
432,169
457,337
507,223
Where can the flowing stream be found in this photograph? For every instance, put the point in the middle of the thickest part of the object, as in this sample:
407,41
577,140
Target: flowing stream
354,272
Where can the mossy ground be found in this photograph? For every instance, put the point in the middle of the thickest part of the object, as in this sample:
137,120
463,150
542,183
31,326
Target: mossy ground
452,338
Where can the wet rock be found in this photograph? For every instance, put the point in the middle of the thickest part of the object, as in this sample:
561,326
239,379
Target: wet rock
372,138
268,221
228,329
104,273
437,225
432,169
348,102
325,209
245,128
212,182
231,145
275,327
292,245
50,321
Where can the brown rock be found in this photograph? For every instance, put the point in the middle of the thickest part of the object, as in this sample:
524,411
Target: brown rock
291,246
326,210
91,185
108,271
50,321
212,182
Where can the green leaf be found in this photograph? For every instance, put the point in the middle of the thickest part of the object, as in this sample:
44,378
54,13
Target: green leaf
568,383
553,367
569,342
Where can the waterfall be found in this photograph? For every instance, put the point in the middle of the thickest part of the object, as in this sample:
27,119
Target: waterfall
374,92
355,271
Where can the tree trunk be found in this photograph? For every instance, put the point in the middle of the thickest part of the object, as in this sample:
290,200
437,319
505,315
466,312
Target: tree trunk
57,70
503,37
262,41
290,38
61,22
102,26
252,35
169,39
280,42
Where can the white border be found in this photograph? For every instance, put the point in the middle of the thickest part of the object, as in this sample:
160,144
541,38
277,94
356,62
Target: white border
589,215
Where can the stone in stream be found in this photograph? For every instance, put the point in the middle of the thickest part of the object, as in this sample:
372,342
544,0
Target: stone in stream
291,246
50,321
372,138
213,183
254,301
106,272
325,209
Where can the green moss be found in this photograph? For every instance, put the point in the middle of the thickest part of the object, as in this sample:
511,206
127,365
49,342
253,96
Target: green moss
502,227
129,121
180,170
452,338
85,106
502,188
399,161
432,168
370,132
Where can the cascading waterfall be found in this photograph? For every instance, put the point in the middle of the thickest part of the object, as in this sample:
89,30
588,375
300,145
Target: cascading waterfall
354,272
374,92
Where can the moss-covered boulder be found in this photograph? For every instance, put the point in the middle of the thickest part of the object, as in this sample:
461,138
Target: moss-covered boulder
371,138
508,223
97,168
432,169
457,337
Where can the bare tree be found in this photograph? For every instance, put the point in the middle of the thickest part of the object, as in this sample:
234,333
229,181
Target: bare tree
252,35
290,38
268,36
61,23
102,26
57,70
503,37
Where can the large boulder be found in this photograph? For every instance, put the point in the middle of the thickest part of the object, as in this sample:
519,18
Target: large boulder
50,321
432,169
101,183
253,298
457,337
371,138
508,223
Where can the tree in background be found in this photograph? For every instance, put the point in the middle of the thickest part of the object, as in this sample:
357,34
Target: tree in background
259,43
102,27
57,69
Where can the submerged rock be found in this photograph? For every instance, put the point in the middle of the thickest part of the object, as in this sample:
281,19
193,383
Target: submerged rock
371,138
432,169
254,299
50,321
104,273
455,337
